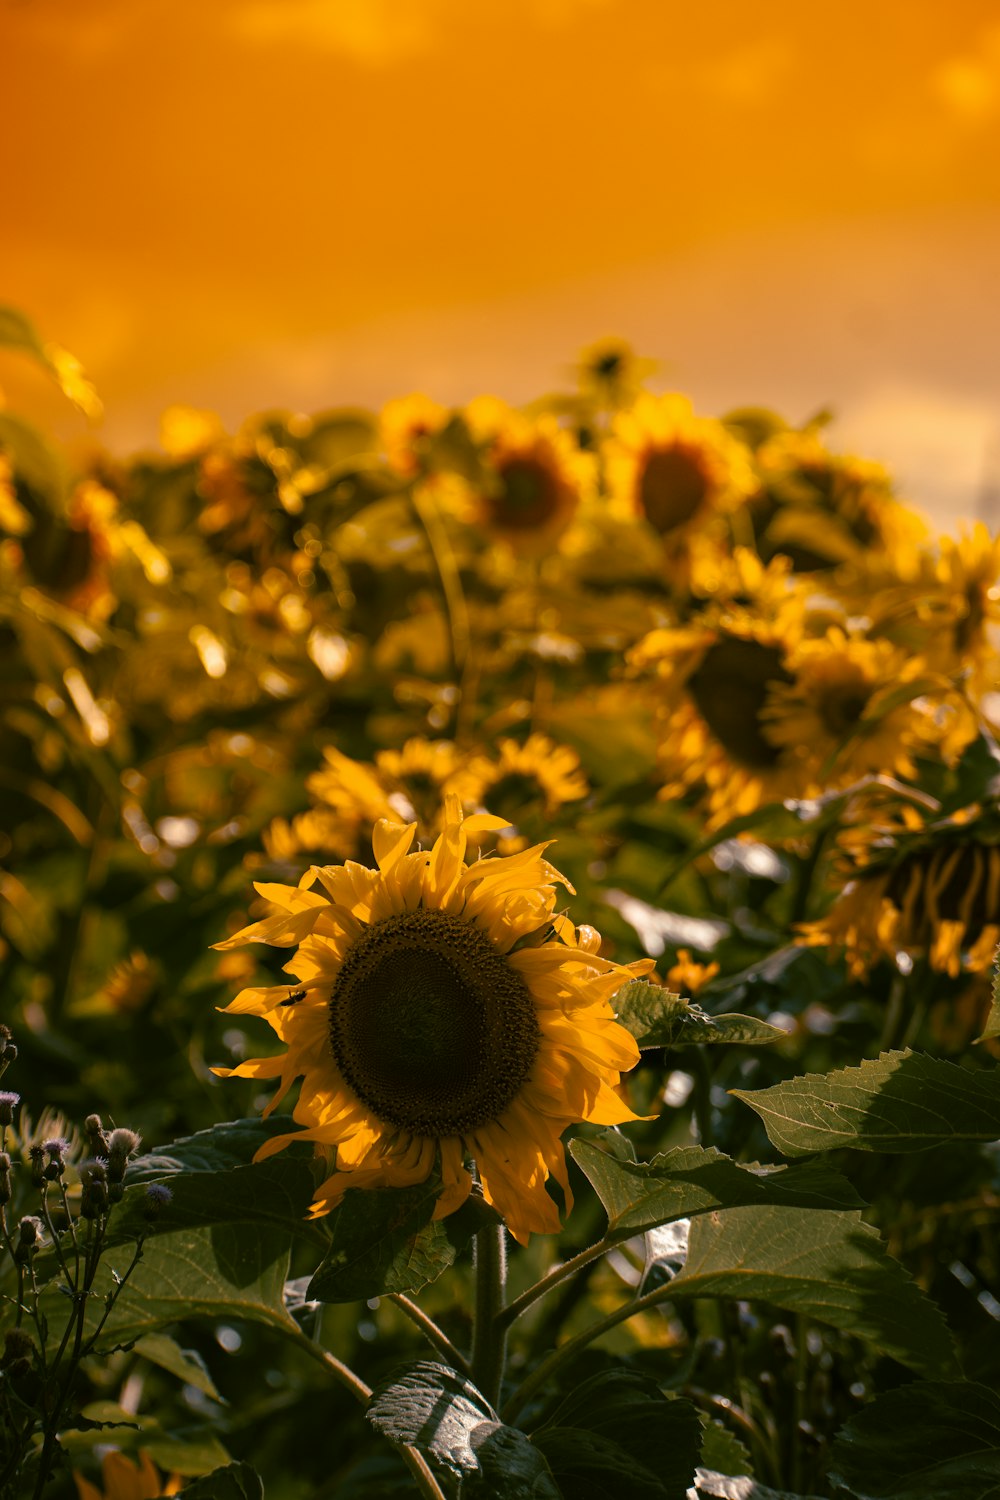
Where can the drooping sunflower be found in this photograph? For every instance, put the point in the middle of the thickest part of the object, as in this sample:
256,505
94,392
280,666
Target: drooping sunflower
919,888
444,1013
125,1480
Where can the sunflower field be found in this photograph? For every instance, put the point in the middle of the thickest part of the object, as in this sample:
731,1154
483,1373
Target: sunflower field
498,910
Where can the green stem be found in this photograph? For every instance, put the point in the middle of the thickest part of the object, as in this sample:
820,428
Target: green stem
432,1332
552,1279
489,1336
702,1073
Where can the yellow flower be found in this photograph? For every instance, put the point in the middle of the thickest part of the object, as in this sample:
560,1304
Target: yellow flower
532,478
524,777
405,426
687,974
611,374
717,677
125,1480
444,1013
675,470
852,708
923,890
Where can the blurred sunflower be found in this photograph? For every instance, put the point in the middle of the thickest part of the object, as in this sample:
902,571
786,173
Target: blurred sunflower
538,775
533,476
822,510
853,706
717,677
444,1013
610,373
678,472
405,426
125,1480
919,888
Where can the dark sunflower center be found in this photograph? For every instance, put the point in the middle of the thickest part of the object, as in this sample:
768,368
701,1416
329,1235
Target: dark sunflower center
529,494
730,688
956,883
512,793
673,485
842,706
430,1026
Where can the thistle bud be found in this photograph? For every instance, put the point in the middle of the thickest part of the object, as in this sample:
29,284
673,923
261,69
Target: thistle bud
158,1195
94,1200
29,1234
96,1138
56,1150
122,1144
37,1157
5,1187
8,1104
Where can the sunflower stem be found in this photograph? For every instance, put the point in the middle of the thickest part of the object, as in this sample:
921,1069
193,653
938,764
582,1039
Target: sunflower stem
489,1333
434,1335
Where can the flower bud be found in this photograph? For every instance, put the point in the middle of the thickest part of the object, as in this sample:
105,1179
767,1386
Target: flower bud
158,1195
8,1104
94,1181
96,1137
37,1156
18,1349
29,1233
56,1150
121,1145
5,1187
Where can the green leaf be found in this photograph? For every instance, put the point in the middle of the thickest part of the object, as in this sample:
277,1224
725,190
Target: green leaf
658,1018
931,1438
638,1196
186,1364
234,1482
992,1027
227,1271
721,1450
33,459
451,1423
900,1101
828,1265
618,1435
383,1240
231,1144
275,1192
18,332
711,1485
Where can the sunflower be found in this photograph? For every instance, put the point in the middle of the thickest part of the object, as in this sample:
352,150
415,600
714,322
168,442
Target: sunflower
676,471
610,373
125,1480
533,476
822,510
537,774
920,889
717,676
853,706
406,426
443,1012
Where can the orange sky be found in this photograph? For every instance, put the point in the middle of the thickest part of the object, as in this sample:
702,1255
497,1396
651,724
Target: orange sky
246,203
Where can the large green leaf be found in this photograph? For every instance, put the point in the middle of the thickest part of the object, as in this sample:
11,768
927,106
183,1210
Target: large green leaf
227,1271
233,1143
828,1265
658,1018
618,1435
276,1192
451,1423
383,1240
900,1101
992,1027
234,1482
638,1196
931,1439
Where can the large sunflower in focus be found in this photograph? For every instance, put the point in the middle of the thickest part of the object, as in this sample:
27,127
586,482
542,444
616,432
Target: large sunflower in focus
443,1013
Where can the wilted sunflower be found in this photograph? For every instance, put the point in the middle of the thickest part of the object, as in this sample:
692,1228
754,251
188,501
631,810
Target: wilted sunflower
443,1013
125,1480
923,889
